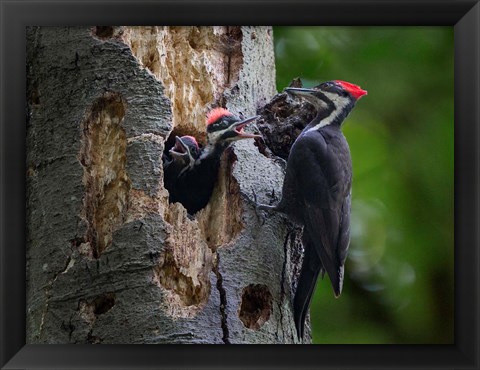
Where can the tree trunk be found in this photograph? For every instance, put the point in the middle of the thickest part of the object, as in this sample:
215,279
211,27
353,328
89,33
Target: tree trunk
109,260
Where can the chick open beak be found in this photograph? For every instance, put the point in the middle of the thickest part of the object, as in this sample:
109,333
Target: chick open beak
180,149
239,126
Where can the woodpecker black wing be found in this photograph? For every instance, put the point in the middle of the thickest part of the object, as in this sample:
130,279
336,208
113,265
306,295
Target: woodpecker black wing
325,191
314,178
344,232
323,227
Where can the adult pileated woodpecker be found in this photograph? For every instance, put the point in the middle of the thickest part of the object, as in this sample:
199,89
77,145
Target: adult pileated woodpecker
195,185
183,156
317,190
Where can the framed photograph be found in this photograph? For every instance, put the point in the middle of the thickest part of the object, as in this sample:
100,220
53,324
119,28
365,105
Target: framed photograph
239,173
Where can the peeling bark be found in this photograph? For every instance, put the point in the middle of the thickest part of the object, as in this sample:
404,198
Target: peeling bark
109,260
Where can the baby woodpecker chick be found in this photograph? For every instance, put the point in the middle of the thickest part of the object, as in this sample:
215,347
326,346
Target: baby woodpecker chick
196,183
183,156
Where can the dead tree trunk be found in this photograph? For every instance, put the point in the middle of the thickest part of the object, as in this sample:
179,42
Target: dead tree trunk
109,260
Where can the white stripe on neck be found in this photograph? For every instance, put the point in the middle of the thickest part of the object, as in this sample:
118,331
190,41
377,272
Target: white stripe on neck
340,103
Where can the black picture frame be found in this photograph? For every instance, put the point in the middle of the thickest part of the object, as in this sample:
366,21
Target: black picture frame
463,15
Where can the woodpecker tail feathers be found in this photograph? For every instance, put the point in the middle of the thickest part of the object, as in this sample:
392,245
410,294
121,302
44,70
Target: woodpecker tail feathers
311,268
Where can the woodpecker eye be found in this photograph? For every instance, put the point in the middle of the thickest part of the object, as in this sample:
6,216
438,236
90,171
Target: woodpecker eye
327,86
224,123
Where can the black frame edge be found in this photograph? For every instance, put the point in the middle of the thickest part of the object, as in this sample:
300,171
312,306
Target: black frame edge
12,180
467,154
16,15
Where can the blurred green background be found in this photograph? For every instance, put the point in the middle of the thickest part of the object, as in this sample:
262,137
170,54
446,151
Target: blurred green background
399,272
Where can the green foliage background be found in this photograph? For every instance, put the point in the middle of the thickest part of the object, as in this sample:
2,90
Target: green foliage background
399,274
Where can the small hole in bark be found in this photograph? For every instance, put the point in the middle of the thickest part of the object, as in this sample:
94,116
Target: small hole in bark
103,303
90,310
256,306
104,32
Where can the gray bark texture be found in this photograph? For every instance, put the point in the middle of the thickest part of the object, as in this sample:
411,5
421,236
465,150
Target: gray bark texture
109,260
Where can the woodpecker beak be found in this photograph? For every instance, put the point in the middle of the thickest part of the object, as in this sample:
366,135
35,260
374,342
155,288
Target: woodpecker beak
180,149
238,127
300,91
308,95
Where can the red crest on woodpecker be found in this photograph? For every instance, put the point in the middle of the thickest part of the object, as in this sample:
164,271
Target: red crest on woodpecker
217,113
356,91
